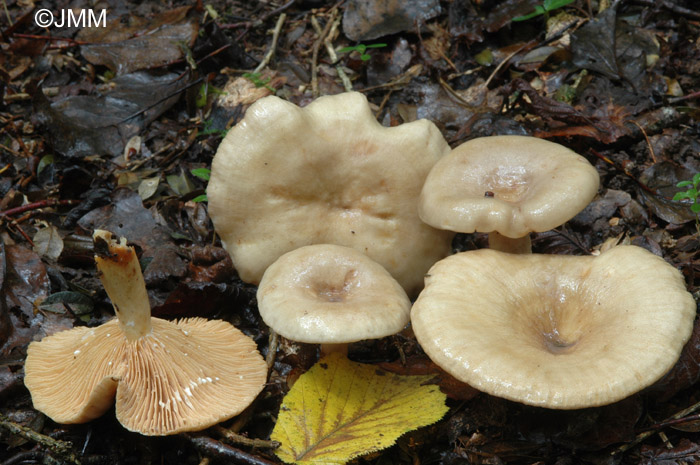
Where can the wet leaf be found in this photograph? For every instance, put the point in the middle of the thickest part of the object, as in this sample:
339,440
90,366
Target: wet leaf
148,187
79,304
140,43
48,243
684,452
180,183
340,409
103,123
370,19
613,48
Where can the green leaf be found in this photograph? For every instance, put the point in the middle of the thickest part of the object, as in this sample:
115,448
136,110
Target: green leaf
696,179
202,173
681,196
200,198
539,10
684,184
340,410
695,208
550,5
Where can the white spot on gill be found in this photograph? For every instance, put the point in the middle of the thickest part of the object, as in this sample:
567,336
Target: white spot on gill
76,352
188,391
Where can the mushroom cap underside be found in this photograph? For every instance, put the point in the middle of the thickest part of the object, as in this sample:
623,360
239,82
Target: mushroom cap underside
510,184
286,177
330,294
183,376
555,331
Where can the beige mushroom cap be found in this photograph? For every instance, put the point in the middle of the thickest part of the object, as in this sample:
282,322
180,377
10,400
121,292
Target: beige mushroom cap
513,185
561,332
330,294
287,177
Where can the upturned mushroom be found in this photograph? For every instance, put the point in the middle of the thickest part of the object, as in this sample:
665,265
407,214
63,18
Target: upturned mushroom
168,377
286,177
507,186
331,295
561,332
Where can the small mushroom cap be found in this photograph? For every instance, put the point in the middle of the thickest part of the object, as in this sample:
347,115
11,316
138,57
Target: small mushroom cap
510,184
329,294
184,376
561,332
286,177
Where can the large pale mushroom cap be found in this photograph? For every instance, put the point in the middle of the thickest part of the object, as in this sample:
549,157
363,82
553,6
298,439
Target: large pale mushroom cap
555,331
168,377
513,185
287,177
330,294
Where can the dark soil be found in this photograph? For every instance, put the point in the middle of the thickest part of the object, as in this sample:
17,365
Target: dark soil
102,127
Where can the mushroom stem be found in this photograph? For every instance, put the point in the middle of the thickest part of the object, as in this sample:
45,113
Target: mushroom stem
327,349
520,245
120,273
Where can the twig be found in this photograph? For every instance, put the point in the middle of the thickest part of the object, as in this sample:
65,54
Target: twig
331,51
260,20
669,6
644,133
235,438
61,448
271,350
642,436
273,46
214,448
36,205
314,56
51,38
503,63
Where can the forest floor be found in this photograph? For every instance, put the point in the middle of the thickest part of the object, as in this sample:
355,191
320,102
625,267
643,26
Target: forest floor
103,127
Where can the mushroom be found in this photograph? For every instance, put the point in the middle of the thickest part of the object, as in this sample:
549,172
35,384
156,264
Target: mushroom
561,332
331,295
168,377
286,177
507,186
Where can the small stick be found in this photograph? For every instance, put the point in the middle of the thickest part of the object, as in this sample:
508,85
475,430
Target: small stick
271,350
331,51
314,57
273,46
642,436
61,448
36,205
50,38
644,133
235,438
214,448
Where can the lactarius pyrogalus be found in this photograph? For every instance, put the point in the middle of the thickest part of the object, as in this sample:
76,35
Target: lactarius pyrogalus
507,186
331,295
168,377
561,332
286,177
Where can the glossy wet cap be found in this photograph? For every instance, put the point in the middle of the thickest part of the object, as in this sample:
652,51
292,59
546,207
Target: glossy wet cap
560,332
330,294
510,184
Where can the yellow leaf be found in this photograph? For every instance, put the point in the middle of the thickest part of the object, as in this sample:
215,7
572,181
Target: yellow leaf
340,409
